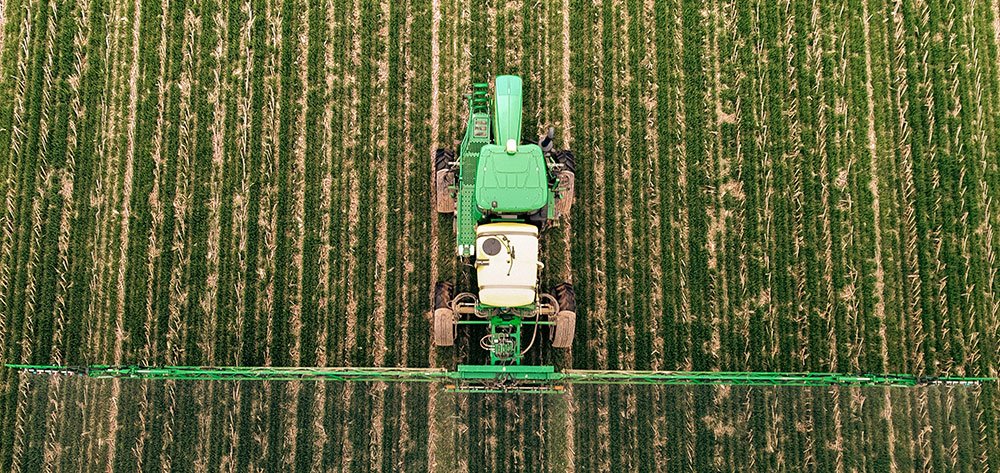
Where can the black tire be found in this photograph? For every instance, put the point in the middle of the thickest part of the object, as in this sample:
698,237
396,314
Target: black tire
442,158
443,294
444,327
567,159
565,296
564,330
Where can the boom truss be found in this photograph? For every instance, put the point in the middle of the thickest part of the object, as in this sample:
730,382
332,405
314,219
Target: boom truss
469,378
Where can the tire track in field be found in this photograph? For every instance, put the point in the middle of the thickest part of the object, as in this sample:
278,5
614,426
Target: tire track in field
380,122
295,232
404,442
178,303
567,91
56,418
565,126
267,222
934,236
687,450
351,140
598,330
873,187
151,325
208,303
913,319
319,433
461,79
800,297
625,247
103,200
239,239
434,436
876,210
123,237
650,104
801,302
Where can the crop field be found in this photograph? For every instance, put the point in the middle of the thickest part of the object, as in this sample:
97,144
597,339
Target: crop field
761,185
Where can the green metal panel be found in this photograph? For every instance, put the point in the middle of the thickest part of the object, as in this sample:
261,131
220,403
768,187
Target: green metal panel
477,134
511,183
518,372
507,109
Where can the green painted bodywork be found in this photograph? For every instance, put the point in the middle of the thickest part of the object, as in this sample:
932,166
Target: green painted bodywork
518,183
477,135
511,183
507,109
499,183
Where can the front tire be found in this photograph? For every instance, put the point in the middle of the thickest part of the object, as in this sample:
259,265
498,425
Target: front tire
444,179
567,182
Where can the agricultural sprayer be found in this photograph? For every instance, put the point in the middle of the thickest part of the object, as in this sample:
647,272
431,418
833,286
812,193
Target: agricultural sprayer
504,192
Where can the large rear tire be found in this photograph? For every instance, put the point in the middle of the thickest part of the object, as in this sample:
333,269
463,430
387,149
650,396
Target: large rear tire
444,318
444,327
565,328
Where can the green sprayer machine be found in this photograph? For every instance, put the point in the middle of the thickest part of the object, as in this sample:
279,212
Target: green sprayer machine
503,191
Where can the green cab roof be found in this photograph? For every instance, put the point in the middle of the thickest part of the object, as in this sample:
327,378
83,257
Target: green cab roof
511,182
